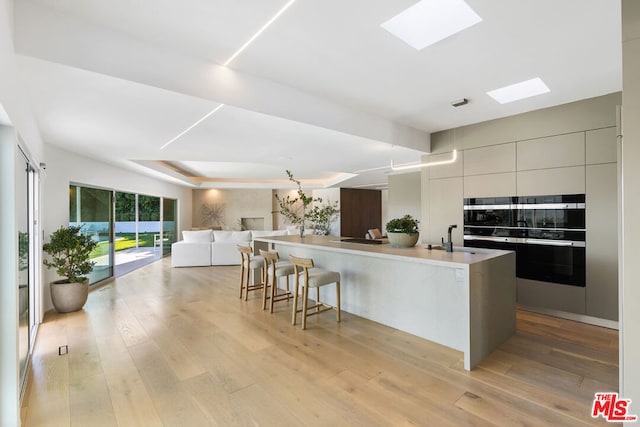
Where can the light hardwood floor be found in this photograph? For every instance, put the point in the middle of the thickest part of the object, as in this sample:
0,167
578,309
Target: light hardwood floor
177,347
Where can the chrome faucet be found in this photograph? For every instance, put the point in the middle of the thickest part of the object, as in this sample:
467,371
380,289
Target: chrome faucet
449,244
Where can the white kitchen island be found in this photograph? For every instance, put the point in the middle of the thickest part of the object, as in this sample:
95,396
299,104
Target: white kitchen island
465,299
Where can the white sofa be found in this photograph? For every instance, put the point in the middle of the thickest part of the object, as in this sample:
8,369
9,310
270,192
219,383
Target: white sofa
203,248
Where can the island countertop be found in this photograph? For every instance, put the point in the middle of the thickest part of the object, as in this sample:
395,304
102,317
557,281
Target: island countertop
458,258
463,299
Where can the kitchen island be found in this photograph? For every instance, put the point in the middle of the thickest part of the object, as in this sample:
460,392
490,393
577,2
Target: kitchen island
465,299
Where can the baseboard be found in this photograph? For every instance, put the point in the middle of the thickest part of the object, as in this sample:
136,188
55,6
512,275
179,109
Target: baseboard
605,323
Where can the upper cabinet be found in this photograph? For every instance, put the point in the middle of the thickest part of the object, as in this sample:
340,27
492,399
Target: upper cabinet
551,152
492,159
601,146
447,170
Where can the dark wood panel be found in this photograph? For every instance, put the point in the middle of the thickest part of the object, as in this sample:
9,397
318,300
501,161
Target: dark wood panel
360,210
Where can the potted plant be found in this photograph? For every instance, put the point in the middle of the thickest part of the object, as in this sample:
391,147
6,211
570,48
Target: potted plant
403,232
70,251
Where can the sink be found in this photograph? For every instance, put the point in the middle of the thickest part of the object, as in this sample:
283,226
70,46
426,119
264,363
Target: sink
457,249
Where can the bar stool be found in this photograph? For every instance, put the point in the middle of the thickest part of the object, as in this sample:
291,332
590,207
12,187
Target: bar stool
250,264
309,276
274,271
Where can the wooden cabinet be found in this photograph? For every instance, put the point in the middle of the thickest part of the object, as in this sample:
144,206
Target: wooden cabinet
360,210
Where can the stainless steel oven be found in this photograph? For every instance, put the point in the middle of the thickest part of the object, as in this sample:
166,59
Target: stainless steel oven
546,232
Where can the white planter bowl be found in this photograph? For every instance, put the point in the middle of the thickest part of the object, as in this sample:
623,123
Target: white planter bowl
403,240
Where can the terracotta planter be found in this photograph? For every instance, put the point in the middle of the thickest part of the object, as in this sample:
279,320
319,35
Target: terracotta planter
403,240
69,297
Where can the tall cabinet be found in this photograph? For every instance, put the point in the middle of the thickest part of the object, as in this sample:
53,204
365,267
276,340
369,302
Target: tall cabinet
572,163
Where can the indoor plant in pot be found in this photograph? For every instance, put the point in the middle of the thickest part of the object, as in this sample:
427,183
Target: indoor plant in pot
403,232
70,251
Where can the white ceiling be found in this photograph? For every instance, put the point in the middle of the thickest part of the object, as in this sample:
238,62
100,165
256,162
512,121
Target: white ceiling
324,91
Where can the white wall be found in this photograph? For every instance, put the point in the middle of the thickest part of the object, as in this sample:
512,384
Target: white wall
12,91
64,167
404,197
14,103
233,204
9,365
630,227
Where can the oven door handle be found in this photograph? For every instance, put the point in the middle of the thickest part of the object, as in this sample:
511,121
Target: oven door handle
546,242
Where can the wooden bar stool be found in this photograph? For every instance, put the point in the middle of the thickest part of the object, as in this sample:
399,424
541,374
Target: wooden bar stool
274,271
309,276
250,264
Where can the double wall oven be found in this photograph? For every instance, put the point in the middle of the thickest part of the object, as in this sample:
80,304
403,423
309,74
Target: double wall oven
546,232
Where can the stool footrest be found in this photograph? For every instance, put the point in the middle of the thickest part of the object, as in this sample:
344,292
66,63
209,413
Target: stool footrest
325,307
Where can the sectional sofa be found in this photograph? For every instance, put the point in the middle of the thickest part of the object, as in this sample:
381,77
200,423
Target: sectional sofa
203,248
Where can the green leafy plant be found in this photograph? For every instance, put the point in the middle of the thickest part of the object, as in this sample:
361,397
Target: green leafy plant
296,209
323,216
407,224
70,253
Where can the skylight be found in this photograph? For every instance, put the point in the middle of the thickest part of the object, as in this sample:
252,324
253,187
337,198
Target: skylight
519,91
429,21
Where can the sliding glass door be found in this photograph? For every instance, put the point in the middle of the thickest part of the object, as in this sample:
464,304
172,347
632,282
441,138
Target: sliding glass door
169,224
23,209
91,208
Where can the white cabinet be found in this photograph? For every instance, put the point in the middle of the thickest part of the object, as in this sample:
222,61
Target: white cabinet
493,185
602,241
447,170
601,146
445,208
551,152
492,159
551,181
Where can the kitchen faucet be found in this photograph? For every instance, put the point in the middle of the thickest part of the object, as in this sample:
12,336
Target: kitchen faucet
449,244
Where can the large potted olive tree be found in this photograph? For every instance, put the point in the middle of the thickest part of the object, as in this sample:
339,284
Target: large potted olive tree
70,256
403,232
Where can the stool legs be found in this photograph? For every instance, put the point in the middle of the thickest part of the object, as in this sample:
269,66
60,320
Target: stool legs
274,294
319,306
305,304
245,283
338,300
241,279
295,305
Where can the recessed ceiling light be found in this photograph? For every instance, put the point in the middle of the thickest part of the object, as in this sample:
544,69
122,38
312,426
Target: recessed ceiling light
430,21
520,90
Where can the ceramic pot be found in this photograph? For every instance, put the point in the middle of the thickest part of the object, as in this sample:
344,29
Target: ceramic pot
69,297
403,240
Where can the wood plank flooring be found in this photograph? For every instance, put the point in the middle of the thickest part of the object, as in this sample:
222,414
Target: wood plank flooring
177,347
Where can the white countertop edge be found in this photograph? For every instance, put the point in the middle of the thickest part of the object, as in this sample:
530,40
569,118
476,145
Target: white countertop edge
418,254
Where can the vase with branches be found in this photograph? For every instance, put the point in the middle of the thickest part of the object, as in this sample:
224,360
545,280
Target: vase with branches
296,209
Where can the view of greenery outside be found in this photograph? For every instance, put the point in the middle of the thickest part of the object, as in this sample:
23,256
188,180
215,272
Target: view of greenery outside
124,241
125,211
